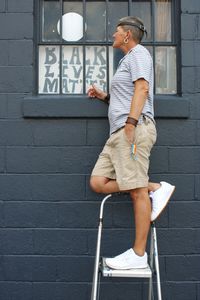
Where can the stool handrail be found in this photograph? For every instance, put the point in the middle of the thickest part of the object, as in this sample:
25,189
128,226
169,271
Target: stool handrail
98,247
102,205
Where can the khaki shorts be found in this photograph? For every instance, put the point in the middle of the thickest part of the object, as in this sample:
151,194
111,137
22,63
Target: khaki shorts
116,162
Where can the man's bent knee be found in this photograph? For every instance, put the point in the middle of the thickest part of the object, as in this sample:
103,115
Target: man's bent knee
94,184
97,183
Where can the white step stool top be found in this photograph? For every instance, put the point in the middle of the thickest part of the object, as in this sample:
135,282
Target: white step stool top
137,273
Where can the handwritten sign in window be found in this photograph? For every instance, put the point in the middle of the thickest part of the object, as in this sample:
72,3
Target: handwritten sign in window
49,71
70,69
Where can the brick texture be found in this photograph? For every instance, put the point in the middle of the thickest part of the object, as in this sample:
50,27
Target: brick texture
48,213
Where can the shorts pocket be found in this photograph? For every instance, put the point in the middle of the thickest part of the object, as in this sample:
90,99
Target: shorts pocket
125,138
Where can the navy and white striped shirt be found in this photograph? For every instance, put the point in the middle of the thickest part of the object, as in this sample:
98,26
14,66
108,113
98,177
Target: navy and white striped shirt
136,64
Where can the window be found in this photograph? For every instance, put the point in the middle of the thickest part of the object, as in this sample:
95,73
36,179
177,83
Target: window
75,43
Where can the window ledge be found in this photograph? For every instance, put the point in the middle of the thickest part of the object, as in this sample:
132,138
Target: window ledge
63,107
52,106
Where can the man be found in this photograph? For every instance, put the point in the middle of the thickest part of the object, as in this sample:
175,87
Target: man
124,162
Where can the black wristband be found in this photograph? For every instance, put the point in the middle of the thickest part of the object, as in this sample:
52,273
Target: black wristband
132,121
107,98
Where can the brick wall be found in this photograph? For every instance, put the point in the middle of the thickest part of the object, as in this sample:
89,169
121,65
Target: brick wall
48,214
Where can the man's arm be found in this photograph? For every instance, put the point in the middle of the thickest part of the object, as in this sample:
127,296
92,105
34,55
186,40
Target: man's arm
95,92
139,98
138,101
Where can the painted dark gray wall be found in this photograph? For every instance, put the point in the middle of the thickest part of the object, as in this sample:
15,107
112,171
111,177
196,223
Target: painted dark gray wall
48,214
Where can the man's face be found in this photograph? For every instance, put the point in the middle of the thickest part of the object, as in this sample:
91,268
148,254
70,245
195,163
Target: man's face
118,37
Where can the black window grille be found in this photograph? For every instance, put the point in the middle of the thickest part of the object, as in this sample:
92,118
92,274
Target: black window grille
75,43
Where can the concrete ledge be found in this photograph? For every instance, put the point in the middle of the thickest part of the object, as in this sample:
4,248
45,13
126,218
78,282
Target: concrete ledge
82,107
63,107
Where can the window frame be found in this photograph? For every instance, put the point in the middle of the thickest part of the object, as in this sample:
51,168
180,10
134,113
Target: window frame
176,42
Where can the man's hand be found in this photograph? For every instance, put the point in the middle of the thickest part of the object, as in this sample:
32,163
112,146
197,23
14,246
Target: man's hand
130,133
95,92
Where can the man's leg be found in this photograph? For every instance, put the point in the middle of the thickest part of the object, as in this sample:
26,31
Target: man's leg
142,213
104,185
152,186
136,257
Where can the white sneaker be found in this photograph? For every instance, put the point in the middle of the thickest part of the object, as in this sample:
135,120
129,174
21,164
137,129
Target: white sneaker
160,199
127,260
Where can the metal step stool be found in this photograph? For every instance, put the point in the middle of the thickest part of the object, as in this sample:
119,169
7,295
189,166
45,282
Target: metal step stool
101,269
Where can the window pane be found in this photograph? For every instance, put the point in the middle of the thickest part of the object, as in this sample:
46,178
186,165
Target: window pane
72,70
163,20
73,6
115,55
166,70
72,29
96,71
116,11
50,18
49,58
96,20
142,9
150,49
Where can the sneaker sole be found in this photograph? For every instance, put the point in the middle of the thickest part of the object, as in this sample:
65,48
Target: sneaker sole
164,206
128,268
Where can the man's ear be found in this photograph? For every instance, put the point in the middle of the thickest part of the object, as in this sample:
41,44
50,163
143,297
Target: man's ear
128,33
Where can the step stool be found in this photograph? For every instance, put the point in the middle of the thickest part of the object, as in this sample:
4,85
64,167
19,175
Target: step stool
101,269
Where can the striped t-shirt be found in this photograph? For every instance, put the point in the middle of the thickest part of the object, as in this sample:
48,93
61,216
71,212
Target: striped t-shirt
136,64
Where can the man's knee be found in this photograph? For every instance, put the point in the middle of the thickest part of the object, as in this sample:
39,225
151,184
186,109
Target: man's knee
95,184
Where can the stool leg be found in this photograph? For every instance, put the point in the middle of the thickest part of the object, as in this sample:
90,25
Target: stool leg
157,262
96,265
98,285
151,266
97,258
